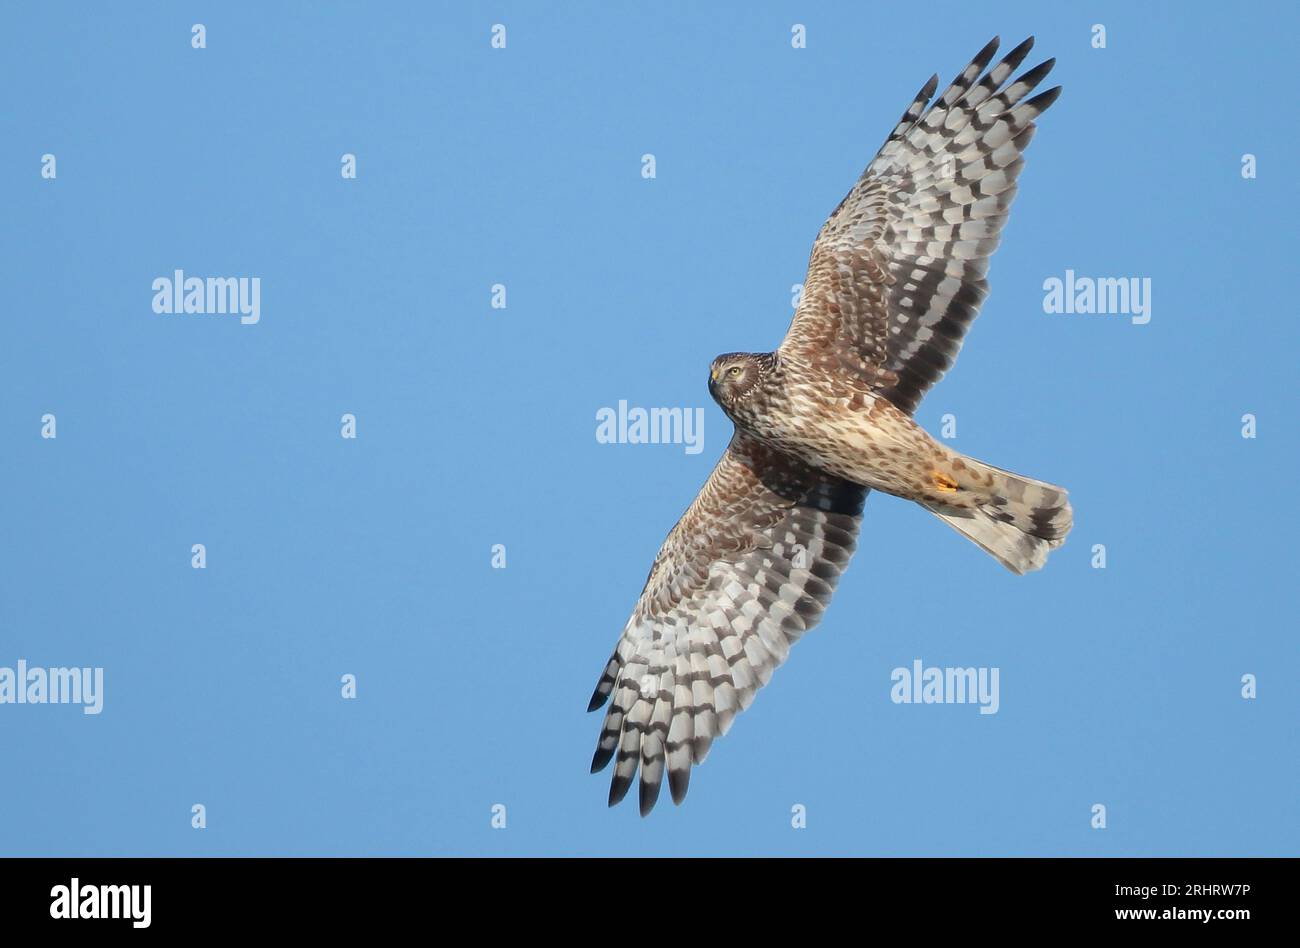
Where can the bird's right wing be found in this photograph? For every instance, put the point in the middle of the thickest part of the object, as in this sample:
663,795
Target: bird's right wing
747,570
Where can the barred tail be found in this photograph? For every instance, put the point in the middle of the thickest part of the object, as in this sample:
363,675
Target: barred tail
1020,521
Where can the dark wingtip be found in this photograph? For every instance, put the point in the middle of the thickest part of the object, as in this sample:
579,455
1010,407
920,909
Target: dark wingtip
678,782
1035,75
1017,55
618,788
597,700
600,759
649,797
1044,99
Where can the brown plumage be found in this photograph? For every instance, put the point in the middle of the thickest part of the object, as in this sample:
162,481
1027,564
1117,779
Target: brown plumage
895,278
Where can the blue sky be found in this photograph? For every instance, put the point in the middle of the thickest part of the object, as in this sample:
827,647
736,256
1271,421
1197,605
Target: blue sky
476,426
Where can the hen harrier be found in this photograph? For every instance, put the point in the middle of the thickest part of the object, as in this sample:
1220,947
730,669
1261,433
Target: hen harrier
895,278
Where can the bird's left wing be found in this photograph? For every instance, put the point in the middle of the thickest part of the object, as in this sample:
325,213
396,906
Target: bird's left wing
747,570
897,273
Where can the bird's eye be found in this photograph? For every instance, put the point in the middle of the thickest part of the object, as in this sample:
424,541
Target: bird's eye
734,371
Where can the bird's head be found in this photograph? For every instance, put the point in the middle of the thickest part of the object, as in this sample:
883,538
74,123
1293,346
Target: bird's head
734,376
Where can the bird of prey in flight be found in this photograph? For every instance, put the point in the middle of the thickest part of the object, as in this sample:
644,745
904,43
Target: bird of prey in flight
895,278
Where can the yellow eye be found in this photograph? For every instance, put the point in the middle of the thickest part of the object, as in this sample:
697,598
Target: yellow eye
734,371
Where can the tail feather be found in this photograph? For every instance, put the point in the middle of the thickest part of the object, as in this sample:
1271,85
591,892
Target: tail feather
1017,520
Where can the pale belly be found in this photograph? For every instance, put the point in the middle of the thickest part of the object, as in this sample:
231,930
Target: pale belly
861,438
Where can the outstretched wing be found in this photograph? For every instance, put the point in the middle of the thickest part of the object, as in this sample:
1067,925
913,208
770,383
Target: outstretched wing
747,570
897,272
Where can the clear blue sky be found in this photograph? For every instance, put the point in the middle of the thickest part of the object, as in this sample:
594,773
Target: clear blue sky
476,426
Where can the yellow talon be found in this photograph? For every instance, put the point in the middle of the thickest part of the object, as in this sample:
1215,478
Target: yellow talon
945,483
